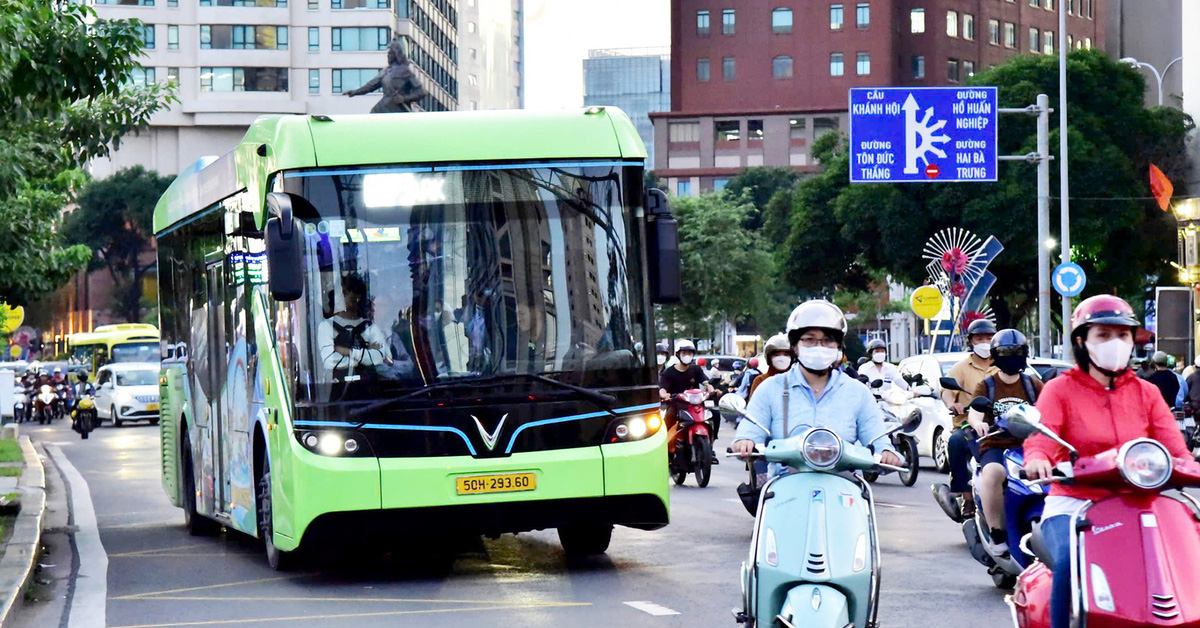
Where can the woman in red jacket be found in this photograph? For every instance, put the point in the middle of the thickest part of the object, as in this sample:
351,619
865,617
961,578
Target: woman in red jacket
1096,406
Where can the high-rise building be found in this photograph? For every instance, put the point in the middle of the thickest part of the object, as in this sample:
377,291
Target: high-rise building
1150,32
234,60
637,80
754,83
490,58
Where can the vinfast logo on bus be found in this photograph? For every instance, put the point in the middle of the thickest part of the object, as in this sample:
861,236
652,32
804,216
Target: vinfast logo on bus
490,439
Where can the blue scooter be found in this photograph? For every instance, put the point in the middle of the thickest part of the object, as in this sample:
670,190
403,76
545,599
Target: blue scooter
814,556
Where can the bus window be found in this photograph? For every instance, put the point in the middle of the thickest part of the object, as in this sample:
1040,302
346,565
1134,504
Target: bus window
136,352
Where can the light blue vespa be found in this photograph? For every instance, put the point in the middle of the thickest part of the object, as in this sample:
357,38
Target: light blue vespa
814,557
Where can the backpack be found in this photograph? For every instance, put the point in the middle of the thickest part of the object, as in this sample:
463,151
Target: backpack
989,384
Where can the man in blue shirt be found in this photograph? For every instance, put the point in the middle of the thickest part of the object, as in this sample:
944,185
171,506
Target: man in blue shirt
812,393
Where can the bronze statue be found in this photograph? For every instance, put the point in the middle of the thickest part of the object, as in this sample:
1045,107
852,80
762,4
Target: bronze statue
401,89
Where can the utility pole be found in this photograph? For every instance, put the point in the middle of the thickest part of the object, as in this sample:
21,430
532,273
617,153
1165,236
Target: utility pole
1063,187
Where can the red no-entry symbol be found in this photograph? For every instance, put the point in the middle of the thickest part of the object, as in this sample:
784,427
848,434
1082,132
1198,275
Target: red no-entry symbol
932,171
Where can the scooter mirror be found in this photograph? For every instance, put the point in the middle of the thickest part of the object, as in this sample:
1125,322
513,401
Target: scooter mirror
877,383
981,404
1024,421
949,383
911,422
732,406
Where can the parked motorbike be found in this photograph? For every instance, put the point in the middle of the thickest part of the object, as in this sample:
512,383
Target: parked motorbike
689,444
84,417
44,404
814,556
1133,553
894,403
18,402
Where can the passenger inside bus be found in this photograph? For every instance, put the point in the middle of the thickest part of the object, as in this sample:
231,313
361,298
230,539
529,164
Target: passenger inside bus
352,346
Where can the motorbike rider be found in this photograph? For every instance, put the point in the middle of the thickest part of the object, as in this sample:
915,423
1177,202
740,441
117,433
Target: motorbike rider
748,376
814,393
661,355
84,387
1095,406
684,375
1008,387
956,499
1163,377
780,357
878,367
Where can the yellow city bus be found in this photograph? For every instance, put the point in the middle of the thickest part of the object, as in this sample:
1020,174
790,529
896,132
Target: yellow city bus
123,342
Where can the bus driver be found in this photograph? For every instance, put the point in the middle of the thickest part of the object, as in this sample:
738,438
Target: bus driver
349,339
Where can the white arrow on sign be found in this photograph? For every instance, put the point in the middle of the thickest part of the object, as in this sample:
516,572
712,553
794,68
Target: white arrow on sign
922,131
1072,275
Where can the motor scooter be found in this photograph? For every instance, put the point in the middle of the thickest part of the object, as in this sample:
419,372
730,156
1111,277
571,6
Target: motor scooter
83,416
18,402
44,404
814,555
689,443
1133,553
60,400
893,402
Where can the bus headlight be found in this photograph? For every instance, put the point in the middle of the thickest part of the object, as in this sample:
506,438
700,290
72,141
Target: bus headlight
628,429
1144,463
334,443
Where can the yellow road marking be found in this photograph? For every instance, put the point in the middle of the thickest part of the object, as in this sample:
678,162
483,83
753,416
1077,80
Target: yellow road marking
352,615
160,549
207,587
393,600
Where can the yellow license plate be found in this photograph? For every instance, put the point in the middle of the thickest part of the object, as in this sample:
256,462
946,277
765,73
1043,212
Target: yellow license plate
152,406
502,483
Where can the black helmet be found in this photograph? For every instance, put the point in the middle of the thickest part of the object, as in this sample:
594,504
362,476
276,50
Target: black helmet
981,326
876,343
82,376
661,347
1009,342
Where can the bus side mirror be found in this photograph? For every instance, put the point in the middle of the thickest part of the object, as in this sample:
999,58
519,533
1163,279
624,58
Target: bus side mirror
662,249
285,249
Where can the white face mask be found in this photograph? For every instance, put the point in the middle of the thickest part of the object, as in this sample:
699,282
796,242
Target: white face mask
983,350
686,359
781,362
878,357
1112,355
662,359
817,358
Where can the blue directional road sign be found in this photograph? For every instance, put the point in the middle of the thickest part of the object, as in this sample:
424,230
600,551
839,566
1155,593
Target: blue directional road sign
922,134
1068,279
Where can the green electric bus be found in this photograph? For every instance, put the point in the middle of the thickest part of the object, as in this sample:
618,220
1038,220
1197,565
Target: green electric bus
416,323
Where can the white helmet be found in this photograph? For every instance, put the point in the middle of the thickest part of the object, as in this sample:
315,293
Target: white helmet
684,345
777,343
816,313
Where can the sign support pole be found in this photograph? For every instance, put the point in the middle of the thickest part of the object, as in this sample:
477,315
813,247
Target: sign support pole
1064,190
1042,159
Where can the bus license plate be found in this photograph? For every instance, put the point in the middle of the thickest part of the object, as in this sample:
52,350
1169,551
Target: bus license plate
505,483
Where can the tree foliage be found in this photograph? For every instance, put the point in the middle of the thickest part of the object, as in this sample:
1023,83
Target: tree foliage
114,220
64,105
838,231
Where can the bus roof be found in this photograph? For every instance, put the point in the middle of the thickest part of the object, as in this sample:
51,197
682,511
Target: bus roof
109,334
284,142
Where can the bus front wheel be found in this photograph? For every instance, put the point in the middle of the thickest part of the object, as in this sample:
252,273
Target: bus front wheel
585,539
279,560
195,523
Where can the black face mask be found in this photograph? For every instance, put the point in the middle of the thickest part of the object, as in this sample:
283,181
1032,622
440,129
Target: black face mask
1010,364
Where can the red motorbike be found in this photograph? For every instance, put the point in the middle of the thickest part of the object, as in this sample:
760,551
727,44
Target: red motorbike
689,442
1134,554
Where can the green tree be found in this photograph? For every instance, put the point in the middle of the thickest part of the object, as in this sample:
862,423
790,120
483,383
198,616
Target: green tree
114,220
757,185
1123,240
60,80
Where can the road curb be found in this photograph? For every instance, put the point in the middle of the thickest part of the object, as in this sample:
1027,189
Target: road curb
20,555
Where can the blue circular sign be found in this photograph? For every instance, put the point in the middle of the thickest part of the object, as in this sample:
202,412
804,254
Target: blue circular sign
1068,279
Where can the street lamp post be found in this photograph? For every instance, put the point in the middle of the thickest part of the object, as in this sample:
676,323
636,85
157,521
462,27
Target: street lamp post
1158,76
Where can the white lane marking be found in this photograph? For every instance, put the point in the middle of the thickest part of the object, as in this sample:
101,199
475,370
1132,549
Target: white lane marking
652,608
883,505
91,582
734,501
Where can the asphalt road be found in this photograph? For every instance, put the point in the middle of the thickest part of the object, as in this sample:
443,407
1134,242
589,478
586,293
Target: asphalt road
158,576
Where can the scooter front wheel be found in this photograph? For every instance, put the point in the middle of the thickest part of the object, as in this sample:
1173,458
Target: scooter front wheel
908,450
678,469
702,454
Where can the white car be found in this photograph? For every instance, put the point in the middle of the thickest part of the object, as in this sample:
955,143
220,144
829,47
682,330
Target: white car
127,392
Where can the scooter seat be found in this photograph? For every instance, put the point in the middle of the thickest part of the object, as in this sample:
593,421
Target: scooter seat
1037,545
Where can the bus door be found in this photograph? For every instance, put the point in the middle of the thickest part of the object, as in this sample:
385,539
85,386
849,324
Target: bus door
216,275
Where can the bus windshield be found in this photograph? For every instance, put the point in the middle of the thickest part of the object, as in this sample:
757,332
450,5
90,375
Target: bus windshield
136,352
422,277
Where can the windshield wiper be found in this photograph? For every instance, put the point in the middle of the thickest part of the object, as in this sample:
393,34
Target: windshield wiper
602,400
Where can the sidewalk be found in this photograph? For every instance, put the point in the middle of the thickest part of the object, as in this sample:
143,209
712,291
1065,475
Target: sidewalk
21,550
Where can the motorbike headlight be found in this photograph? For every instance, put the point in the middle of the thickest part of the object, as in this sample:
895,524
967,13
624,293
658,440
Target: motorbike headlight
694,397
821,448
1144,463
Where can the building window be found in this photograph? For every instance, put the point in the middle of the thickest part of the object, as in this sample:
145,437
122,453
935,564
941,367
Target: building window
141,77
1010,35
172,37
314,81
314,39
821,126
1049,5
173,3
362,4
1070,42
797,128
1070,7
727,130
918,67
968,69
728,21
148,37
172,76
916,20
134,3
781,20
754,130
702,70
835,17
365,39
968,26
314,5
470,27
1048,42
719,184
233,37
244,79
1034,41
702,27
994,32
864,63
952,23
952,70
862,14
1087,43
727,68
836,67
1087,4
683,188
683,132
345,79
243,3
781,67
1035,4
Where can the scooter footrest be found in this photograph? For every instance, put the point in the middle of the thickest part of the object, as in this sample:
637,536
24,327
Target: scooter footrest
740,616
